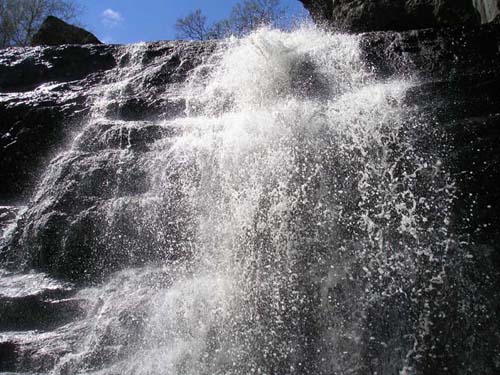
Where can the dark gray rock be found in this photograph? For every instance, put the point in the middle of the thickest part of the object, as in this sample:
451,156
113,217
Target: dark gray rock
37,312
30,302
9,217
123,135
87,223
54,32
378,15
101,217
448,54
459,87
44,95
33,308
37,352
23,68
140,108
8,356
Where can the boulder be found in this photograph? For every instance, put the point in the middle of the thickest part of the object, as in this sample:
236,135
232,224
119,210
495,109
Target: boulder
54,32
397,15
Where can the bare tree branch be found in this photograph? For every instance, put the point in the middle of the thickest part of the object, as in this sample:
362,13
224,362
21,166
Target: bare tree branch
244,18
20,19
193,26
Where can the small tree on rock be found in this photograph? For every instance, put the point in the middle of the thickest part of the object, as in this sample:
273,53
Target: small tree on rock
193,26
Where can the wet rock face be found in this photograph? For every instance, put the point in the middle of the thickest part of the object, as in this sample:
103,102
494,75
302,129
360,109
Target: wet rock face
459,88
29,303
34,301
107,168
8,356
23,69
44,96
88,213
54,32
379,15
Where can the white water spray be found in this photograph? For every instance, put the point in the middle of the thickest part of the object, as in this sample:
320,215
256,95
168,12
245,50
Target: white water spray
314,228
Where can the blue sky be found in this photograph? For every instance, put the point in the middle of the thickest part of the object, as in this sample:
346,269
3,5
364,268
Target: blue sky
128,21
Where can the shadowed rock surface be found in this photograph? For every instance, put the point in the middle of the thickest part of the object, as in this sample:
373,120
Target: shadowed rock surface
54,32
35,302
45,94
379,15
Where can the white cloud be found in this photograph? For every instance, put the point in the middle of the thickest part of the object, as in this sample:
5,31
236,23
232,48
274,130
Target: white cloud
111,18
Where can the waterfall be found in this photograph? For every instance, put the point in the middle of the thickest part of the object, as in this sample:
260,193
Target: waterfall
296,220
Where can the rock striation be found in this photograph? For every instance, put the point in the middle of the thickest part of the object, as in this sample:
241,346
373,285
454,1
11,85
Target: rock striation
67,230
44,96
398,15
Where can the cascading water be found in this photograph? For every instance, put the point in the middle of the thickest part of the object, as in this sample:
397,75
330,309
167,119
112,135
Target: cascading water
297,222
